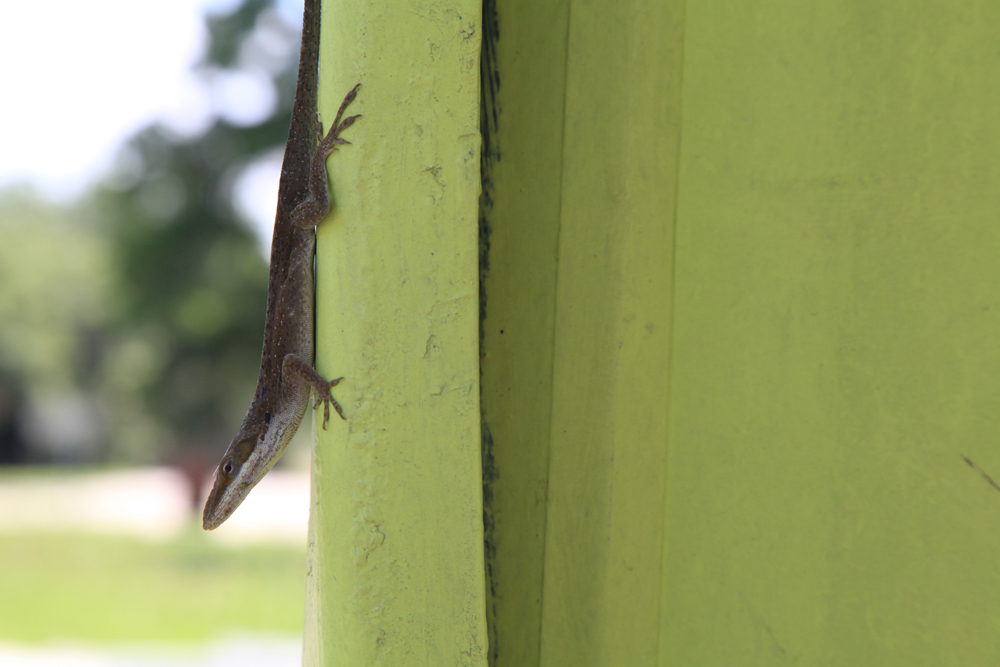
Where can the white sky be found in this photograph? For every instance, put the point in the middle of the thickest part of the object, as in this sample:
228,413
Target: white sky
78,78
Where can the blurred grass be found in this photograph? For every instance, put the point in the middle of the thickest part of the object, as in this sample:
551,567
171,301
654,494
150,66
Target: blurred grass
99,588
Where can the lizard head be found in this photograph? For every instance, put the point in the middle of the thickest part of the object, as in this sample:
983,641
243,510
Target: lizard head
252,453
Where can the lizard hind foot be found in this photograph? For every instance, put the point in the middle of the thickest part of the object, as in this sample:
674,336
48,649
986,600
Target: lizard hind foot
343,106
347,122
331,140
328,144
338,125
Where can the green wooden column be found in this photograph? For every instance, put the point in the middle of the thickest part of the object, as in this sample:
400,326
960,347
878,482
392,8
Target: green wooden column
396,535
739,267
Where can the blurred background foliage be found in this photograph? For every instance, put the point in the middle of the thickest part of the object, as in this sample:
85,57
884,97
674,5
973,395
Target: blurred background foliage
131,324
103,588
131,321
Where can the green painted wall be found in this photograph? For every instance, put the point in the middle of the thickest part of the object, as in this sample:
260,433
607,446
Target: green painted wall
740,329
577,328
837,337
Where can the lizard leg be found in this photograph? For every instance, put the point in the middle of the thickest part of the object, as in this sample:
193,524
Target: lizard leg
294,364
313,209
337,126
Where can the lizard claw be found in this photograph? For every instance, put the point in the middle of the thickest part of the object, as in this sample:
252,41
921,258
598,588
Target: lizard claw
332,140
347,122
339,126
327,398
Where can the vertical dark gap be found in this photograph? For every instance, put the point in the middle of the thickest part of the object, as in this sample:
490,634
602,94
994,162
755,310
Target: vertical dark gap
489,112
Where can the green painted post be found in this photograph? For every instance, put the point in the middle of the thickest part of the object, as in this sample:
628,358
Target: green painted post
396,535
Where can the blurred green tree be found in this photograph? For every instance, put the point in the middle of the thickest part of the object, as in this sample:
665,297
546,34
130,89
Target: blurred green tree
186,337
131,322
193,282
55,303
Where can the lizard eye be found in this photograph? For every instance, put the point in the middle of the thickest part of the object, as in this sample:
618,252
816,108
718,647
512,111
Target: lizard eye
228,467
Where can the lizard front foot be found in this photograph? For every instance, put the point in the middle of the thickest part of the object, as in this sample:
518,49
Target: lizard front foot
293,364
323,395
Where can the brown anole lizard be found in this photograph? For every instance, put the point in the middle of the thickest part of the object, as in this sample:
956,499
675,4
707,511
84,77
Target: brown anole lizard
286,364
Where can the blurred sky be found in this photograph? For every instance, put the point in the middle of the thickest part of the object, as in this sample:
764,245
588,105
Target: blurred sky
79,77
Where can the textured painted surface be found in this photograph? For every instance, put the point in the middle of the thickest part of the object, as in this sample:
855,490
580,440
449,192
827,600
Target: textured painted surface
577,328
609,424
741,329
396,551
837,335
766,287
522,215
